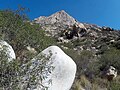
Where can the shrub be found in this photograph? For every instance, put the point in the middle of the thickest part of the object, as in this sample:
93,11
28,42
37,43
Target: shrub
17,76
110,58
77,85
115,84
21,33
85,82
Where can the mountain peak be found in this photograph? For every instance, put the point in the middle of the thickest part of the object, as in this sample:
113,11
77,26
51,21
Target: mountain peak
62,11
58,17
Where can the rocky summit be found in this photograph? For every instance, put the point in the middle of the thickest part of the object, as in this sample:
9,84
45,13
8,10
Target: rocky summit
57,22
82,36
59,17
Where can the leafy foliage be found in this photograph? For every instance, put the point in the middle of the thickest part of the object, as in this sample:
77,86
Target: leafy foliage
16,29
21,33
110,57
17,76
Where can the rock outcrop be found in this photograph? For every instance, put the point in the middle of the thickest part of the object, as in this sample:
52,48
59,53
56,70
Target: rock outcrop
57,22
63,73
111,73
59,17
7,51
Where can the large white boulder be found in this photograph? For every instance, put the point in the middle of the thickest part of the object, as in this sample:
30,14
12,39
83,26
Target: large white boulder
63,74
7,50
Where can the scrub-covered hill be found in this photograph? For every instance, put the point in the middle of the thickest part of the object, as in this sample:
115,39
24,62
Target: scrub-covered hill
93,48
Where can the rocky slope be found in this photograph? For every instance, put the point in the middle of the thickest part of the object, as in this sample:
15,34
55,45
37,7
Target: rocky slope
57,22
81,36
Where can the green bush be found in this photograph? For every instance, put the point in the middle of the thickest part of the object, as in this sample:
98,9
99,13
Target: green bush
17,76
20,33
110,58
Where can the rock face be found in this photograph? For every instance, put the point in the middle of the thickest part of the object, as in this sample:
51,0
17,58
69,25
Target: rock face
7,50
63,74
59,17
90,37
111,73
57,22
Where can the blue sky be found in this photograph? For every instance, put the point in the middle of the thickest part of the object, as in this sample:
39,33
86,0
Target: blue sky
100,12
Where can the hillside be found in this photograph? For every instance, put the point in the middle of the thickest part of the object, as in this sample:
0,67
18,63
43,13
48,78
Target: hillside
81,36
93,48
73,35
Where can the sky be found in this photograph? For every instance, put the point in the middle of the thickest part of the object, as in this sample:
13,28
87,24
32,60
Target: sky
100,12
